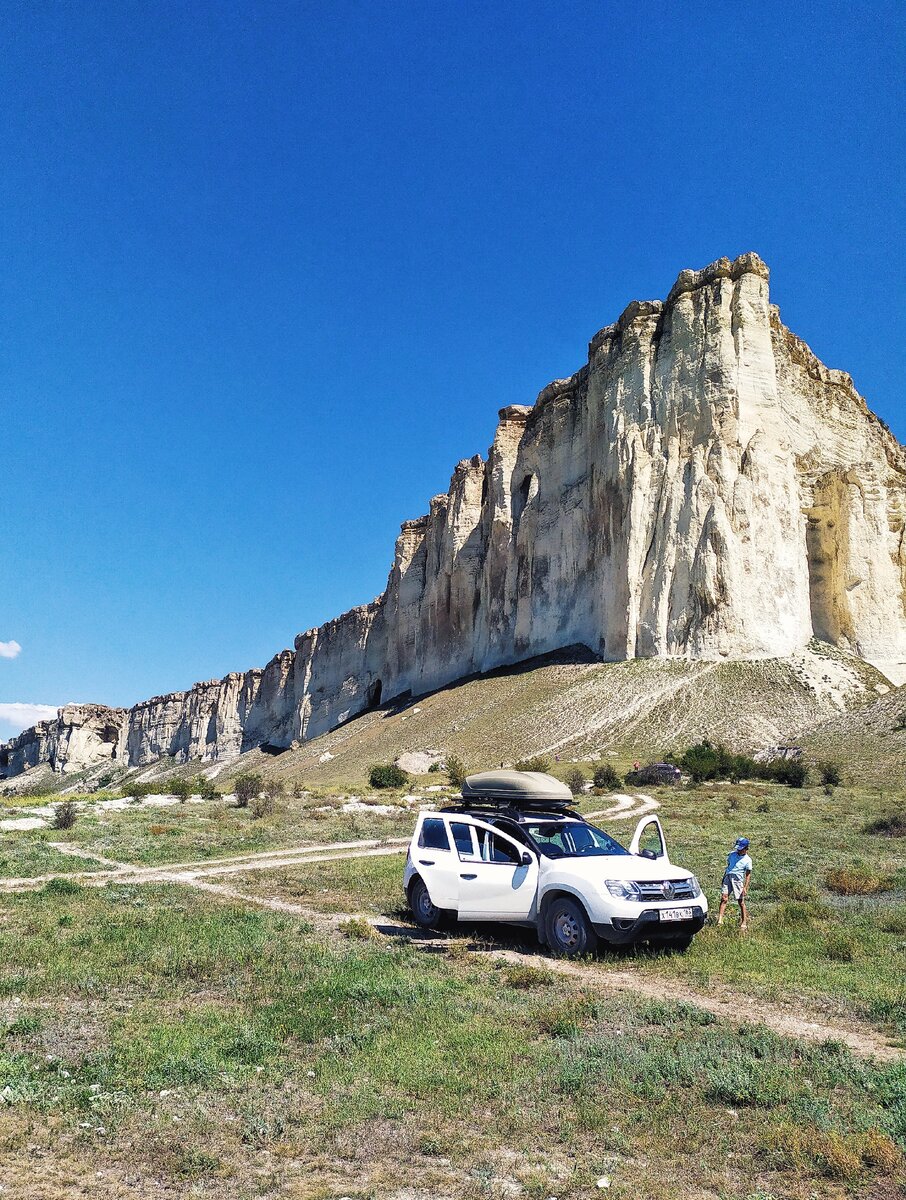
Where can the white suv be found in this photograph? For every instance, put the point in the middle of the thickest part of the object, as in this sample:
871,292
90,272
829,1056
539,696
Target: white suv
512,850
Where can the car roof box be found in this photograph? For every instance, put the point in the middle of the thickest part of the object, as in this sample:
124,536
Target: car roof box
517,789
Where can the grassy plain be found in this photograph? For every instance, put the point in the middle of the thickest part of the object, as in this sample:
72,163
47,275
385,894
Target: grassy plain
158,1041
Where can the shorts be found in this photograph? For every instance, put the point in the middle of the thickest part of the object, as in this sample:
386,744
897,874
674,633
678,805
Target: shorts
731,884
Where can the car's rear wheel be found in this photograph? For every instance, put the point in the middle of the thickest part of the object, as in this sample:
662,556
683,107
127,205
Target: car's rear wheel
567,929
425,912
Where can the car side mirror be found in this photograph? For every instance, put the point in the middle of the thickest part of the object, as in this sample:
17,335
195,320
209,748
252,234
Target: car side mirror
526,859
647,854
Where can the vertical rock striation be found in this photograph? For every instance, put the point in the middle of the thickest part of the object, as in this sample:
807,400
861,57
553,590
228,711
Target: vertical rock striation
702,488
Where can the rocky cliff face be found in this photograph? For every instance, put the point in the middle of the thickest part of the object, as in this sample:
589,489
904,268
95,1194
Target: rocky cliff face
702,488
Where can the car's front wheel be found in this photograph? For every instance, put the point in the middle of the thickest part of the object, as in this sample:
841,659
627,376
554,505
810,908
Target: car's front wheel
567,929
425,912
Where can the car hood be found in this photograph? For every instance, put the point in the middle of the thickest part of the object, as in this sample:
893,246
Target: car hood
617,866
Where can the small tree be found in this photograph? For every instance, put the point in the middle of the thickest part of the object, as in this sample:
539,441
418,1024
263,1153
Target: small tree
262,805
537,763
575,781
274,789
830,775
605,777
64,816
388,775
206,788
791,771
183,788
456,771
247,787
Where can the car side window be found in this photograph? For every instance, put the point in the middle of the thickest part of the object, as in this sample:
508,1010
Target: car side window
433,835
651,840
462,836
495,849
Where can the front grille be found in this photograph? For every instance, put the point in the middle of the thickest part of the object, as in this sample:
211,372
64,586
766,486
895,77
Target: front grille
676,889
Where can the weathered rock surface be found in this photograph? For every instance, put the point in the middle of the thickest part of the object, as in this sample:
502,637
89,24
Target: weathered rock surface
79,735
703,488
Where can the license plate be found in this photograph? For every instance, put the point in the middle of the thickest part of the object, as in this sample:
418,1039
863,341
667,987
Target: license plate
676,914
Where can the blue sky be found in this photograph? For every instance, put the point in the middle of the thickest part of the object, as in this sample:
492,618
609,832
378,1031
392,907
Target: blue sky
270,270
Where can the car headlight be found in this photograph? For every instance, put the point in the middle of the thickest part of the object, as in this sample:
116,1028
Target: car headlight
623,889
695,885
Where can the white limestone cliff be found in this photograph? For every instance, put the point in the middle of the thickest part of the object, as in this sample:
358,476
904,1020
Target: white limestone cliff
702,488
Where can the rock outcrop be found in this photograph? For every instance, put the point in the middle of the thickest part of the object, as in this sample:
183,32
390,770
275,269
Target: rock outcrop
79,735
702,488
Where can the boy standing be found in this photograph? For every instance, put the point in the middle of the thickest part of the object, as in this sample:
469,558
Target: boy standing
736,880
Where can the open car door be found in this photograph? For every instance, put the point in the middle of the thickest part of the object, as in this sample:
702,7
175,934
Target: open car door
498,877
648,841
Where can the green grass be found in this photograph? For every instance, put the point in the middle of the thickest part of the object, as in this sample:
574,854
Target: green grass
365,1067
25,854
195,832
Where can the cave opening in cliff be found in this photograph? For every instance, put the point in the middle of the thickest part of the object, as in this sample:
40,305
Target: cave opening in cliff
525,493
374,694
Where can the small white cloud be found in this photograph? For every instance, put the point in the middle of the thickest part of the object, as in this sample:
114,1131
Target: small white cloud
20,716
10,649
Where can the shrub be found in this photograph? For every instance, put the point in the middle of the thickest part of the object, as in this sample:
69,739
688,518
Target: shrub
137,790
605,777
261,805
456,771
829,774
527,978
841,947
856,881
206,788
274,789
791,771
298,789
183,788
388,775
575,781
61,887
64,816
895,921
537,763
247,786
359,929
434,768
890,824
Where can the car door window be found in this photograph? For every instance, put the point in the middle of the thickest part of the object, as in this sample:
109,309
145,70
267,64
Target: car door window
462,836
651,840
433,835
495,849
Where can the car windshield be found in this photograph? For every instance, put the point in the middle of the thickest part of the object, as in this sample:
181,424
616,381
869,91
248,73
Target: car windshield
572,839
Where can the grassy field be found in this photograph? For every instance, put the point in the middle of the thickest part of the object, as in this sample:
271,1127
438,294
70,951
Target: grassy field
158,1041
195,832
167,1046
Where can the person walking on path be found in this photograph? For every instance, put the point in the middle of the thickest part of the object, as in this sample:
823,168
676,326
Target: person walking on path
736,880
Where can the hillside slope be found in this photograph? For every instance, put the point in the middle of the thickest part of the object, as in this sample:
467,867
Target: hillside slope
580,709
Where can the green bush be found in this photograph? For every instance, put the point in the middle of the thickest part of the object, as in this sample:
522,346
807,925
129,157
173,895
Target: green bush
181,787
829,774
575,781
388,775
841,947
247,786
605,777
537,763
890,824
64,816
456,771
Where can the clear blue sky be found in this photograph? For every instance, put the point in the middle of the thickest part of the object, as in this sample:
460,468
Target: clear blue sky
271,269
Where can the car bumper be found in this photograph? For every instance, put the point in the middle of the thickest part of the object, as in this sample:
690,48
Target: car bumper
648,926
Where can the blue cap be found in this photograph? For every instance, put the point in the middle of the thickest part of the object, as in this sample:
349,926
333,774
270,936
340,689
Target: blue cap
742,843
